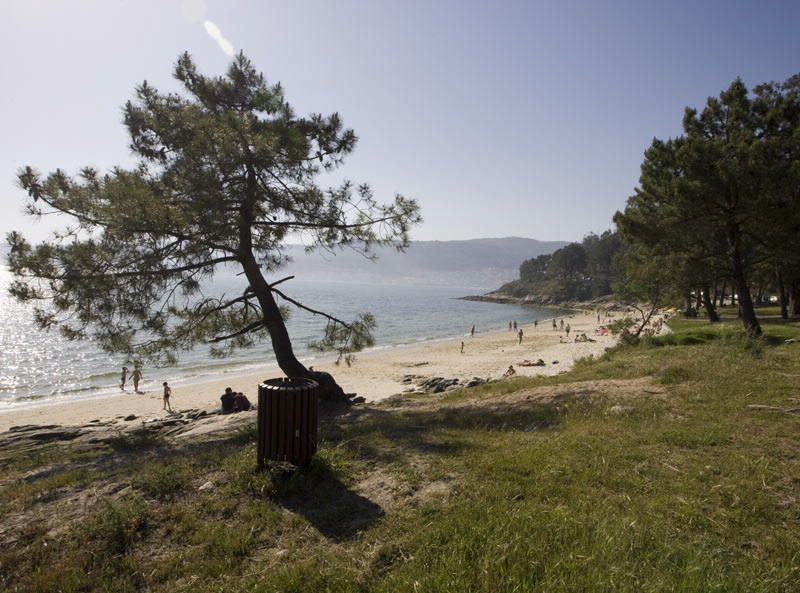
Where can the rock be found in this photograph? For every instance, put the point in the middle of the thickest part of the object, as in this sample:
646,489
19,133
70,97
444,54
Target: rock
555,362
28,427
360,399
475,381
619,410
130,417
61,434
207,486
438,384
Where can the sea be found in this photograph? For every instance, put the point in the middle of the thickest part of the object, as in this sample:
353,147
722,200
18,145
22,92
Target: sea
39,367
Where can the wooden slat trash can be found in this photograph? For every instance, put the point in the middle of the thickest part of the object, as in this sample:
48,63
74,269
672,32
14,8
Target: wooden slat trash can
287,420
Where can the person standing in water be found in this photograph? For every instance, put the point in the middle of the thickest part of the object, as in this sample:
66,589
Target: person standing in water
136,376
472,332
123,378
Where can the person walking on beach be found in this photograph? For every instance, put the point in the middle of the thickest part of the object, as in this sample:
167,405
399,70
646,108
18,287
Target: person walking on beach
123,378
509,325
567,329
535,323
562,324
167,394
462,346
519,335
554,323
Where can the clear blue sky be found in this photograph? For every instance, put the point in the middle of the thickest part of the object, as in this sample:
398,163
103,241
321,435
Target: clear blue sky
502,118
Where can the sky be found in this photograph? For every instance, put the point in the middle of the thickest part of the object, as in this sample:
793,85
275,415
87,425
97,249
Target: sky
501,118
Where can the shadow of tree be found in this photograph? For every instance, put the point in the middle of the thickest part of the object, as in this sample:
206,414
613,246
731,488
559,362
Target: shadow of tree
439,431
335,510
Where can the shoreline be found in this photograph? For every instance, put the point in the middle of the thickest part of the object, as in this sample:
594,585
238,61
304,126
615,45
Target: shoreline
374,375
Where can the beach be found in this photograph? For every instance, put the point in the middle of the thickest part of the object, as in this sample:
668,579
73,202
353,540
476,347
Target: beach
374,375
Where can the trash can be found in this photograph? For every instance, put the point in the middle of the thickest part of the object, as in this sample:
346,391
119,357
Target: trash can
287,420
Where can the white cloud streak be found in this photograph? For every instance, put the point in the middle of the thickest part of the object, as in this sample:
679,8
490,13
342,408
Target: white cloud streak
215,34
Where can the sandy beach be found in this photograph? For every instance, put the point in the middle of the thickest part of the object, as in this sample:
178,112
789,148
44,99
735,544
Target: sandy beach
375,375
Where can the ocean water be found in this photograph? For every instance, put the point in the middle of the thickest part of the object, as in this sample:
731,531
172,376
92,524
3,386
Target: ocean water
38,367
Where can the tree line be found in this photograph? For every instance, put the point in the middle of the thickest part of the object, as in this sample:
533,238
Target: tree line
717,209
578,271
714,221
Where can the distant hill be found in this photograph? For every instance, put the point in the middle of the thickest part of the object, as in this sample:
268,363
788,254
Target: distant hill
473,263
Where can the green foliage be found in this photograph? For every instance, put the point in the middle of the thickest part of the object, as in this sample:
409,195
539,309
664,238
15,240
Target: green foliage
136,440
347,339
721,199
163,479
117,527
577,271
226,172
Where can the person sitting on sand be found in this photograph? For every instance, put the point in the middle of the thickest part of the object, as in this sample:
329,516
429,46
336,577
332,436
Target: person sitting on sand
136,376
241,403
123,378
510,372
167,394
527,363
227,400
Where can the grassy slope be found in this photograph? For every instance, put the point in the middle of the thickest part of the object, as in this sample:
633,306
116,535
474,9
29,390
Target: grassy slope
688,492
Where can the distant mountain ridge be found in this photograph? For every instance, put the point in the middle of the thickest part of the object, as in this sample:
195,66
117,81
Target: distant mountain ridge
471,263
475,263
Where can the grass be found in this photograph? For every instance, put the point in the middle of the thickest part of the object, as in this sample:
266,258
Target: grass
687,490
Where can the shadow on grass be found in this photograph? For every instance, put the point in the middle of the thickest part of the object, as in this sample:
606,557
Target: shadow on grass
380,435
316,494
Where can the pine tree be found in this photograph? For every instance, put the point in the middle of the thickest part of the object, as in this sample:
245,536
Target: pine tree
226,173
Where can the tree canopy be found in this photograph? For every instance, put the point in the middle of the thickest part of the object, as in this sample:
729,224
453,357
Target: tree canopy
725,194
226,174
576,271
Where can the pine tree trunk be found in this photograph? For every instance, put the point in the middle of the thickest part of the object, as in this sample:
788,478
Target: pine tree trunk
279,335
794,298
746,309
722,293
273,320
782,296
711,311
